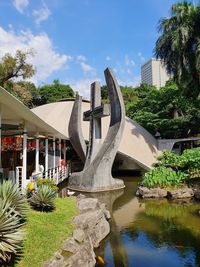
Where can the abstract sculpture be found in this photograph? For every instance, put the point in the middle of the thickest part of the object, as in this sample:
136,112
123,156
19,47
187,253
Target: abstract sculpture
96,175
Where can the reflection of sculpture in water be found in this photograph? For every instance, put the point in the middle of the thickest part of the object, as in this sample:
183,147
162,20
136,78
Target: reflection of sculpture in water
119,254
96,175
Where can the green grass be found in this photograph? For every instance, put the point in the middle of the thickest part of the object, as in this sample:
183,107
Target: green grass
45,232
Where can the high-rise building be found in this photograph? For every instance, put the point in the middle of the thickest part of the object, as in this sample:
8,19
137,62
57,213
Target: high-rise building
153,72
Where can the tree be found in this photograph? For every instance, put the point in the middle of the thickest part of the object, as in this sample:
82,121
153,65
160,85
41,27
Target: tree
167,111
53,92
179,46
15,67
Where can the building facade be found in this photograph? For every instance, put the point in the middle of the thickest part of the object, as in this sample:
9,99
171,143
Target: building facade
154,73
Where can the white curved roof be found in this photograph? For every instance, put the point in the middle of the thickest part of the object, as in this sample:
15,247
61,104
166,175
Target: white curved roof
136,143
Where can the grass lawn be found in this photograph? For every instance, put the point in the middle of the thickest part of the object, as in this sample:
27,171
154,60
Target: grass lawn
45,232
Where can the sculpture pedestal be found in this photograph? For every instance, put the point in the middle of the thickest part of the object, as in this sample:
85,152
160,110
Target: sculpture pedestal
80,181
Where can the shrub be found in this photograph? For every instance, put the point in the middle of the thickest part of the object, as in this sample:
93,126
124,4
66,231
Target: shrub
170,159
12,210
46,181
164,177
43,199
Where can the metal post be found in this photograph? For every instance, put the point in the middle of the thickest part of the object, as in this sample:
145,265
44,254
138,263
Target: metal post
46,157
24,163
37,153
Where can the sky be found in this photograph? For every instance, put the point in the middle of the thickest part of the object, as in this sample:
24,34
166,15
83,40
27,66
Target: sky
75,40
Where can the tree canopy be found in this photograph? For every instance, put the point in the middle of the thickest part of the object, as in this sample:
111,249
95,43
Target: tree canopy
179,46
53,92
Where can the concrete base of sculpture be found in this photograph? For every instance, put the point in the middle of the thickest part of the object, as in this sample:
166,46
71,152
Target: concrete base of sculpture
76,182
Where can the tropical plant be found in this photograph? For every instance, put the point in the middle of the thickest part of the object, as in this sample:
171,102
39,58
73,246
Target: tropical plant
43,199
179,45
46,181
164,177
11,234
12,197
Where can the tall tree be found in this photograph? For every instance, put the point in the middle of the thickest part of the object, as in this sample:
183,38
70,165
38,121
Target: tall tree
49,93
179,46
15,67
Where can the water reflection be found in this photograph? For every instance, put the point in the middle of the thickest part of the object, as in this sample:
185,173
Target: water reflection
150,233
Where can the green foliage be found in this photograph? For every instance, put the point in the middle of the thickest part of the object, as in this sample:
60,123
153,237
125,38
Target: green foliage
12,211
11,196
15,67
179,45
164,177
172,117
171,160
43,199
50,93
48,182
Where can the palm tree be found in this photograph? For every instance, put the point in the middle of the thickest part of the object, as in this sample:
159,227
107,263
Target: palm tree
179,46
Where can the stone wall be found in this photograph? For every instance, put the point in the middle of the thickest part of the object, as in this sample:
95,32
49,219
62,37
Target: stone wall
92,227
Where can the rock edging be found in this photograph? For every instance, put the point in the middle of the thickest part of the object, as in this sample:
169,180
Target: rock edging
179,193
92,227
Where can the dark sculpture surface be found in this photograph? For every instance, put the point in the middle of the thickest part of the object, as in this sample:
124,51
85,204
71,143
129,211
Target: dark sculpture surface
96,175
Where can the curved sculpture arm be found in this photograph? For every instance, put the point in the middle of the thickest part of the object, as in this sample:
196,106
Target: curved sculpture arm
75,130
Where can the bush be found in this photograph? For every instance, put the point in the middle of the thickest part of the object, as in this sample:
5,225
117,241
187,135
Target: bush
46,181
164,177
11,195
12,210
43,199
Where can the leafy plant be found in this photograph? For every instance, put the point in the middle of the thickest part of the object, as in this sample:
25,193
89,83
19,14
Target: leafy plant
164,177
43,199
46,181
12,197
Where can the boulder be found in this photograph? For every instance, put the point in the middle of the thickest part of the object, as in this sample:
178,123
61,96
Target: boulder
184,192
197,195
86,204
71,245
95,224
79,235
145,192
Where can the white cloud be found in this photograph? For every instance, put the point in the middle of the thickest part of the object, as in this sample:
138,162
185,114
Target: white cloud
134,81
20,5
83,86
46,59
81,58
108,58
128,61
87,69
41,14
142,58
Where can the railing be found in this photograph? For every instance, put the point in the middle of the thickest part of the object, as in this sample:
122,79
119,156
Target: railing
57,174
19,176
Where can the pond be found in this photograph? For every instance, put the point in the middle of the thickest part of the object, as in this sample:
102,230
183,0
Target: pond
150,233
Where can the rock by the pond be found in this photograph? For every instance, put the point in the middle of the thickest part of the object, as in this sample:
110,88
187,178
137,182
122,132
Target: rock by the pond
85,204
145,192
92,228
197,195
184,192
95,224
79,235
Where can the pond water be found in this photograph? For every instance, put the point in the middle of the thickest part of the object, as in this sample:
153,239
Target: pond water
150,233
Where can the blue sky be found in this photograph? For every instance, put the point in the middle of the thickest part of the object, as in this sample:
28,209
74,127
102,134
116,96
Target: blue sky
75,40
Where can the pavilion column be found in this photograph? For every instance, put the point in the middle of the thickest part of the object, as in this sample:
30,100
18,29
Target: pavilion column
60,152
37,149
0,140
54,154
64,151
24,161
46,157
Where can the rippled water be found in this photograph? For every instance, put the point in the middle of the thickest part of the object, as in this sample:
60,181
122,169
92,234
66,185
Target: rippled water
153,233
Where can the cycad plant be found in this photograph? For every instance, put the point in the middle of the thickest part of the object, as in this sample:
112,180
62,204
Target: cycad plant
43,199
11,234
11,195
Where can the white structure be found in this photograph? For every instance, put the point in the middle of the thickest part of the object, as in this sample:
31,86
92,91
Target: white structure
154,73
